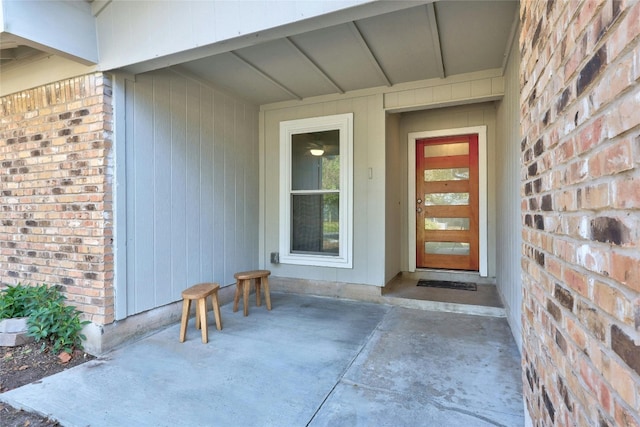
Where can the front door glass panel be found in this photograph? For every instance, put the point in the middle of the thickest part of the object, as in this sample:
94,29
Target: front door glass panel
449,174
449,149
446,223
447,199
446,248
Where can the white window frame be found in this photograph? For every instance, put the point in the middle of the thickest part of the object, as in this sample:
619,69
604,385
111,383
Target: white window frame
344,124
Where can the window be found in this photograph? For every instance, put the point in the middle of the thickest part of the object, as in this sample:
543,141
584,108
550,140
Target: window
316,191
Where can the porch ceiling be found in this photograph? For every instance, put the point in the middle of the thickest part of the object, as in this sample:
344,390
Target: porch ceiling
422,42
402,41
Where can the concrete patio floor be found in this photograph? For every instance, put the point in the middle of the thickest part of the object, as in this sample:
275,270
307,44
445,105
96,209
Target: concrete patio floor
310,361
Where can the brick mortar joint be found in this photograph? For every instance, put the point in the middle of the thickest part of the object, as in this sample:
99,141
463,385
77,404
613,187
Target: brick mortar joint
605,347
583,213
566,164
552,385
586,57
630,251
573,316
622,56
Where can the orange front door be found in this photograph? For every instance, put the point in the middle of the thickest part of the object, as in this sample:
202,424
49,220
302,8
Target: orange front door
447,203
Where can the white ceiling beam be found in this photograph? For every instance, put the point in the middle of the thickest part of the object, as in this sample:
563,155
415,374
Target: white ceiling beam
312,63
365,46
435,36
266,76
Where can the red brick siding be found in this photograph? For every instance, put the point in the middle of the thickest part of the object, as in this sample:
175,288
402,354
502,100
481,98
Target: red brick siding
55,191
580,111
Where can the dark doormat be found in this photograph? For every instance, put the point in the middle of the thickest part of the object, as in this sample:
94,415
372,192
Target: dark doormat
448,285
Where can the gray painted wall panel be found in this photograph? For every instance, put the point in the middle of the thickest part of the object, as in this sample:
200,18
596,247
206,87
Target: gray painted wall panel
368,195
509,235
123,284
178,187
193,207
230,184
143,293
394,187
375,190
206,190
162,204
218,184
192,188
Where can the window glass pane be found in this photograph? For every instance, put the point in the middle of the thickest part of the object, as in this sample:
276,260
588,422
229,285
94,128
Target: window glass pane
446,248
315,223
453,174
451,199
446,223
456,149
315,160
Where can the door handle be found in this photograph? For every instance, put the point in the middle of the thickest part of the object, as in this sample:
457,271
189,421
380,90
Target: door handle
419,210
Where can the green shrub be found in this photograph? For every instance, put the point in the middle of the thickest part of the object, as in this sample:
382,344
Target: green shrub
50,320
13,302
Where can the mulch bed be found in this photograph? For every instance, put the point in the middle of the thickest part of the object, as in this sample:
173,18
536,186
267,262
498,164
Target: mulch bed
28,364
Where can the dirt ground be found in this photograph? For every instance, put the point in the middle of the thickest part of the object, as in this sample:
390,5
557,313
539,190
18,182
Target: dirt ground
24,365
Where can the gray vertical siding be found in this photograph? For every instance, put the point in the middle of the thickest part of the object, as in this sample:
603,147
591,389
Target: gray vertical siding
395,186
192,187
509,234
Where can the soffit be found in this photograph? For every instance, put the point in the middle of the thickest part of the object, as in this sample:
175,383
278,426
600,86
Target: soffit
473,34
423,42
12,50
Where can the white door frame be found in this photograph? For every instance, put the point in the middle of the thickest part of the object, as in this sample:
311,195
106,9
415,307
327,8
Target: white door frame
481,131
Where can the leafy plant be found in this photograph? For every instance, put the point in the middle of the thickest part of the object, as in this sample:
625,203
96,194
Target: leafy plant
13,302
50,319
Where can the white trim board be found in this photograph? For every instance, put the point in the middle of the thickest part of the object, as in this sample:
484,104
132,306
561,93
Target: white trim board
120,195
482,189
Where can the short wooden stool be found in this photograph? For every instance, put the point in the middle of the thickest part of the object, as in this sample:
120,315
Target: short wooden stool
243,285
200,293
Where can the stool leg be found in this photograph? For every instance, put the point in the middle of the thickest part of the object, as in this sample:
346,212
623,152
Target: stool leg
198,314
216,310
258,302
186,304
236,297
202,305
267,292
245,299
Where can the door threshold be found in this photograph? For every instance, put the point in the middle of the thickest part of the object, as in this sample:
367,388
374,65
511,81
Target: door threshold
403,290
449,275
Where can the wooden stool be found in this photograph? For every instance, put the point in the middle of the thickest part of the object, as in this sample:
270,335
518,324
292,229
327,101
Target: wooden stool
243,285
200,293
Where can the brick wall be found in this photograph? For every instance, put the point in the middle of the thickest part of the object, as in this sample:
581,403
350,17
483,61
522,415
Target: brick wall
580,111
55,191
